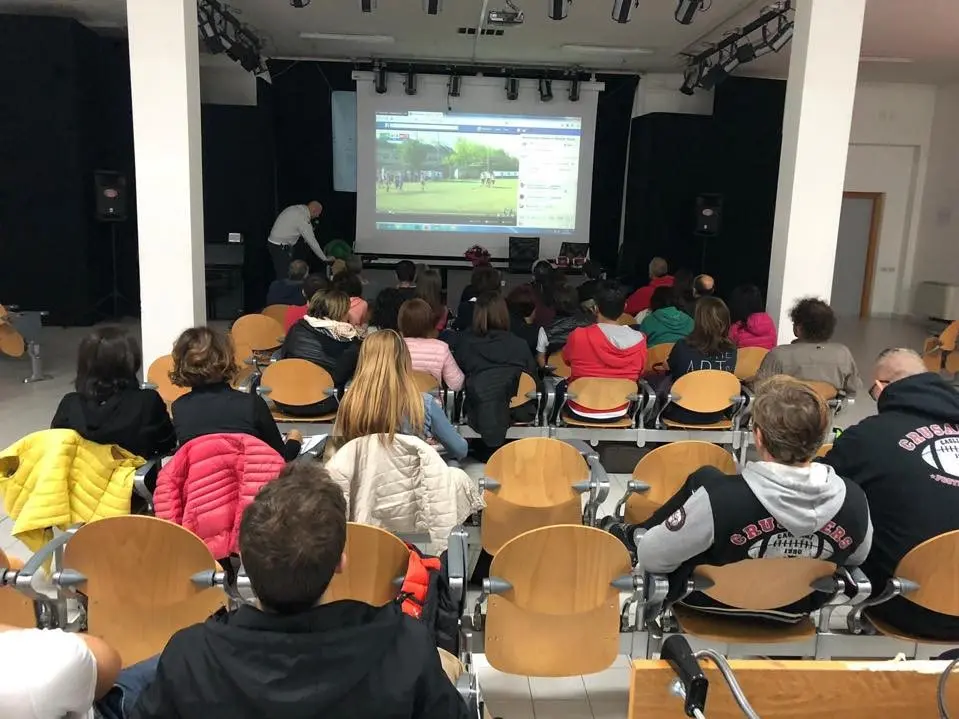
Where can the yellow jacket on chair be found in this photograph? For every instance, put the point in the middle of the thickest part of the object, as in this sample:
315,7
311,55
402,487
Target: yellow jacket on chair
55,478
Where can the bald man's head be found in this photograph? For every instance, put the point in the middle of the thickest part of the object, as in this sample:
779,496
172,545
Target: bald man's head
893,365
316,209
704,286
658,267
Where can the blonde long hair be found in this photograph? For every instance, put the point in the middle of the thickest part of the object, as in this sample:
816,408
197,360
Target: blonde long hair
383,397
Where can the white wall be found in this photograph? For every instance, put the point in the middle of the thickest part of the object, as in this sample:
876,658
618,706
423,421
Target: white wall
890,148
938,255
659,92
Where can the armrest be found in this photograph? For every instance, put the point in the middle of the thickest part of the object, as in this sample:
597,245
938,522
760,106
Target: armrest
670,398
896,587
148,385
598,488
456,554
24,582
150,470
262,390
632,487
849,585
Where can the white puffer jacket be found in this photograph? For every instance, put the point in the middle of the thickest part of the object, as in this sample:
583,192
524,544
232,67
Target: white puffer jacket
403,487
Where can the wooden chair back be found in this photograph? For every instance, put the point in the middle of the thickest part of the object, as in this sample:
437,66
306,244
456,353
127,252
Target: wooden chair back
138,582
374,559
706,390
767,583
601,392
296,382
933,566
656,358
666,469
258,332
626,319
536,476
932,354
159,375
425,382
11,341
558,363
526,384
16,609
824,450
276,312
748,360
825,390
561,616
947,340
786,689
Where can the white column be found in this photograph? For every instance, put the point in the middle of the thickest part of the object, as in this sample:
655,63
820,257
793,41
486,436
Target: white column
165,80
819,101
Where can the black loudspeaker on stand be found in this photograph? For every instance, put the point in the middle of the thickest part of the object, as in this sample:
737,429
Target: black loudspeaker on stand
111,207
709,220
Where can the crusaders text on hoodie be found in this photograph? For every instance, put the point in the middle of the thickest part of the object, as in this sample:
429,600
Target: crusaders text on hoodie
906,459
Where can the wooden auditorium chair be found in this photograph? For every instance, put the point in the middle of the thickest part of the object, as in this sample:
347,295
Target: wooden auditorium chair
17,609
835,399
748,360
790,689
706,391
133,577
939,353
749,585
553,602
525,392
297,383
824,450
660,474
656,358
927,576
276,312
425,382
626,320
11,341
19,333
258,335
537,482
158,378
602,393
556,365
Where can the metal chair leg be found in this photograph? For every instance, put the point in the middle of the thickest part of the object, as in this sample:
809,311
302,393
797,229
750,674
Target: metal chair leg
36,365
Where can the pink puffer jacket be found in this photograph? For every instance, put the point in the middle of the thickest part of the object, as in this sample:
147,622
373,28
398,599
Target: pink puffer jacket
210,481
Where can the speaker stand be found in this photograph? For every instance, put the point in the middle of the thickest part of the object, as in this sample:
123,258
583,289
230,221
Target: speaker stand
114,296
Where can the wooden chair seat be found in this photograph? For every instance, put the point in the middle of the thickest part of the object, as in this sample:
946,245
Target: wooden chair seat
296,382
825,390
258,332
374,559
706,391
425,382
536,477
290,418
276,312
721,425
890,631
159,375
11,341
16,609
560,368
624,423
138,582
740,630
561,616
656,358
626,320
526,384
824,450
748,360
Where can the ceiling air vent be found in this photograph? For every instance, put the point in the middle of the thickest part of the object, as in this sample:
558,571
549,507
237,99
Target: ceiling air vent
493,32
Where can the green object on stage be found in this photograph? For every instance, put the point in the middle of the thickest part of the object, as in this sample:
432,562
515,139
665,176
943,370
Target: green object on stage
338,249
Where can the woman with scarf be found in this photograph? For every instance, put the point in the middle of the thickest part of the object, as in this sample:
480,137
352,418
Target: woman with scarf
326,338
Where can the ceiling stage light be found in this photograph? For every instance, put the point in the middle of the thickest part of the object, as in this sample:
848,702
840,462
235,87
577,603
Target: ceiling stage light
623,9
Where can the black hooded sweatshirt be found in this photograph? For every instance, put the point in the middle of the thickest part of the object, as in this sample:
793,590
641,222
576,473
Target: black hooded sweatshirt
906,459
344,660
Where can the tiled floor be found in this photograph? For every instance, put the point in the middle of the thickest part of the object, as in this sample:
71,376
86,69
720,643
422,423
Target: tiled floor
27,408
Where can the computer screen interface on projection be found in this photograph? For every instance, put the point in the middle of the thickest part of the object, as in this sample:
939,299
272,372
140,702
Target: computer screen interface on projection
471,173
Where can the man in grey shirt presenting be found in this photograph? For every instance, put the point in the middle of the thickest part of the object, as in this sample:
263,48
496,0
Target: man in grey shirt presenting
294,222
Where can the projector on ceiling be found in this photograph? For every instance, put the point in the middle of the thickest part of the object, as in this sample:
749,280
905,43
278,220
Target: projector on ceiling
507,18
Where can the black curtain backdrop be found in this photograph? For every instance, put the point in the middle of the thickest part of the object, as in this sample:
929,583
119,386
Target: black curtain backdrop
733,153
609,165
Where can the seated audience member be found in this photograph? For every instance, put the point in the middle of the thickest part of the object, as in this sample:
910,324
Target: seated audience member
593,272
492,358
290,290
665,322
683,289
484,279
350,285
50,674
605,349
354,265
545,281
311,285
325,338
429,354
707,347
383,398
203,360
521,303
108,406
704,286
812,357
429,287
406,279
658,277
751,326
784,505
478,257
385,313
910,499
569,316
341,660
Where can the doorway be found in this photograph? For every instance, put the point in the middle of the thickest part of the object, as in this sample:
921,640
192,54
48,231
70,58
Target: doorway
856,249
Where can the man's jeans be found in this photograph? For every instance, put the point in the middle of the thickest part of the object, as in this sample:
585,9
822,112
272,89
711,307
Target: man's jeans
119,702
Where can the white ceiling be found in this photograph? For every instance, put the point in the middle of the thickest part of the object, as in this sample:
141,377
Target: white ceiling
929,36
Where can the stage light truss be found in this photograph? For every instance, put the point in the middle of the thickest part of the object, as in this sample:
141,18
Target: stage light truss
222,32
770,32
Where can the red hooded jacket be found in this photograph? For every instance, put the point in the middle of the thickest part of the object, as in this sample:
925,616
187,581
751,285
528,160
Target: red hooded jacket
759,330
210,481
640,299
